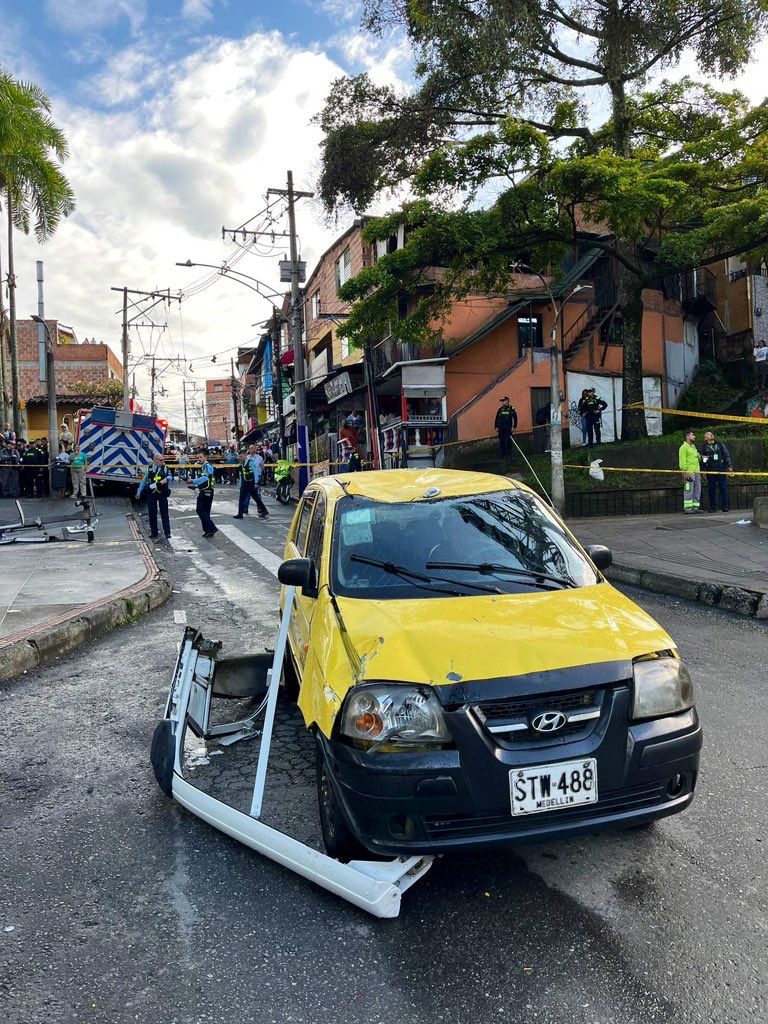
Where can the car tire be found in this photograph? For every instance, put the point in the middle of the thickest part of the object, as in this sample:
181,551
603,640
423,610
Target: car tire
339,841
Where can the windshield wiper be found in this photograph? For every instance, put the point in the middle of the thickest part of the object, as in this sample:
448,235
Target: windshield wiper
489,568
420,580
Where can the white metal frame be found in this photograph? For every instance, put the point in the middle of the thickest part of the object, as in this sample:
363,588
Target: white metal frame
374,886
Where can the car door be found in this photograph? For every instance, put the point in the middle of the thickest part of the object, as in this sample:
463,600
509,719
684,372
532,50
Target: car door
306,604
298,631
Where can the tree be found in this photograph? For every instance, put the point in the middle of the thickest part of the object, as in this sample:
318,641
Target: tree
506,101
31,182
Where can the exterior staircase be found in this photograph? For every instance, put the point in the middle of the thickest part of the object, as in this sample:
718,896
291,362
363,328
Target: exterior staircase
601,308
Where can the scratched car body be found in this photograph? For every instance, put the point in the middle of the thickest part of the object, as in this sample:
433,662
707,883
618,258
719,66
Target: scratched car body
470,676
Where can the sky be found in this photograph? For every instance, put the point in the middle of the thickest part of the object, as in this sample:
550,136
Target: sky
180,114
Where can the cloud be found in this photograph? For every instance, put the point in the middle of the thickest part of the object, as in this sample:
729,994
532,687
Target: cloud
78,16
197,10
186,146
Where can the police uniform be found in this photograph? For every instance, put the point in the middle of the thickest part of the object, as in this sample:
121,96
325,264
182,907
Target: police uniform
505,423
156,482
205,484
593,411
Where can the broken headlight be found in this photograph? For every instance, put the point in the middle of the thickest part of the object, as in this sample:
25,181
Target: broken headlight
394,715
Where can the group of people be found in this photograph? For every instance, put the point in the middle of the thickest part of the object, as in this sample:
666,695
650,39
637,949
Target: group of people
25,465
200,477
590,410
714,460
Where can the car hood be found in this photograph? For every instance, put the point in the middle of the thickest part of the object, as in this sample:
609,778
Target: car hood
444,641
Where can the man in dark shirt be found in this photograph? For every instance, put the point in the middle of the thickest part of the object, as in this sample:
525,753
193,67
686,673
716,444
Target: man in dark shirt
504,424
716,463
593,409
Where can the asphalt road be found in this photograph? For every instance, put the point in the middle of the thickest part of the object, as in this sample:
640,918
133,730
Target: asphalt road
118,906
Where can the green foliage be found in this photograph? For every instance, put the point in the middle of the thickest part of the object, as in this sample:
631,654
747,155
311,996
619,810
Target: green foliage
31,146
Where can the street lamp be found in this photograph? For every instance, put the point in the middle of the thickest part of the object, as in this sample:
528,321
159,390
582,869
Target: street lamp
50,373
555,395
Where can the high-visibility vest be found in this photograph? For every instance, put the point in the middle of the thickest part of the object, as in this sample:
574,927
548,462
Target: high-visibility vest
246,472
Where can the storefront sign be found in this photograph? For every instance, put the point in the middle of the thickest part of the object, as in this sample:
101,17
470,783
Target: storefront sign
338,387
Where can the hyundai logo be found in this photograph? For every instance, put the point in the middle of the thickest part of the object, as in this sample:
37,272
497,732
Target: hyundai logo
549,721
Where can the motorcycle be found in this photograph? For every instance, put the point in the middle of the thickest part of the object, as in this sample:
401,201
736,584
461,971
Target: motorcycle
283,481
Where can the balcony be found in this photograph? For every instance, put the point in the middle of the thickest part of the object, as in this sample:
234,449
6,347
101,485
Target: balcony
698,291
390,351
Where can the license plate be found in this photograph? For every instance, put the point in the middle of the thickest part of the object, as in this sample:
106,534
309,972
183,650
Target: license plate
553,787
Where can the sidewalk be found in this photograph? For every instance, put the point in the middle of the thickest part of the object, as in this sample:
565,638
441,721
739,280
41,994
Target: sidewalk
716,559
58,595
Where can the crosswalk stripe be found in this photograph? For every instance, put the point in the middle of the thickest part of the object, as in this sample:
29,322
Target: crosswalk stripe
266,558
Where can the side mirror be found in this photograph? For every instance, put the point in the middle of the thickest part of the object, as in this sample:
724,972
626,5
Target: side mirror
299,572
600,555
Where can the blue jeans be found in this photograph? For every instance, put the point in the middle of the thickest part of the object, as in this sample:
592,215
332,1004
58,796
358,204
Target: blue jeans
584,432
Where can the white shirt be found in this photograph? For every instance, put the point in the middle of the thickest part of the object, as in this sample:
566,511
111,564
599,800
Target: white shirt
63,457
761,354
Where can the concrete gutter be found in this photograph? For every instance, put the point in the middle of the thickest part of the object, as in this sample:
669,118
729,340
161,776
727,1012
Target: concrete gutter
25,651
716,595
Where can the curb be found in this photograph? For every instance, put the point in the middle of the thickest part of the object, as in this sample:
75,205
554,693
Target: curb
749,603
23,652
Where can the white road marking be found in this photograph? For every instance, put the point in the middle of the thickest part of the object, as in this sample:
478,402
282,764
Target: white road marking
266,558
180,617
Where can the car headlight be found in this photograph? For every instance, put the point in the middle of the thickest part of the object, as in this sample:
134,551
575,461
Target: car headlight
395,714
662,687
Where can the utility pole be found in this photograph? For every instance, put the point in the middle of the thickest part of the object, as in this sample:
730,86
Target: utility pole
152,410
302,435
13,340
161,296
47,367
235,412
186,427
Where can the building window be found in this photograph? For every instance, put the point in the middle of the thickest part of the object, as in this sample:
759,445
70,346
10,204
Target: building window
529,332
315,305
343,268
344,347
218,387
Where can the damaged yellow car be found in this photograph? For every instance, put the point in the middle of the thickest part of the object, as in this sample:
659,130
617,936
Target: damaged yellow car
470,676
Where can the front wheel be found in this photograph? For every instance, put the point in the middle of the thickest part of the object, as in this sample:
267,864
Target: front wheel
337,837
283,493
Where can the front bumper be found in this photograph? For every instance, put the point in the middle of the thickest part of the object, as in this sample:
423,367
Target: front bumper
435,801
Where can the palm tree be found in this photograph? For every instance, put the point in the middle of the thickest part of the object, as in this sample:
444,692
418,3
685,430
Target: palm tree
31,183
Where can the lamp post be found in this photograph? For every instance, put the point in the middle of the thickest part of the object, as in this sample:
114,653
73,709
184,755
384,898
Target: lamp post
555,395
50,373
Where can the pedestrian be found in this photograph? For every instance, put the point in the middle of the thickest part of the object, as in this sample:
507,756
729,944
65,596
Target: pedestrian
28,457
9,434
60,472
251,467
44,467
156,482
715,457
688,460
582,411
10,477
504,424
65,437
204,482
355,463
760,354
594,407
78,462
232,465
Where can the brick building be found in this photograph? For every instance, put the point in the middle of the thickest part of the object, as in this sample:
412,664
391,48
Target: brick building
218,410
79,365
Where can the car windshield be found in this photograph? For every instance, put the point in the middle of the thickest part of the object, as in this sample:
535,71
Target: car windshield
506,539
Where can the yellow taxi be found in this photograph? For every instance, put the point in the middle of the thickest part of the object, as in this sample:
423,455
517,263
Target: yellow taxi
469,674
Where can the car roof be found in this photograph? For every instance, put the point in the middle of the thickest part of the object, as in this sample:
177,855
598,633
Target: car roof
401,485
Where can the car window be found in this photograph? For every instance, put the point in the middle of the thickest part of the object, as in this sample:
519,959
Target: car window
304,515
510,528
316,531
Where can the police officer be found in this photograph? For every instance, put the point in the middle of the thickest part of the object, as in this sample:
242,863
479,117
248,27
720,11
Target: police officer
504,424
593,409
247,481
29,457
716,462
204,482
157,483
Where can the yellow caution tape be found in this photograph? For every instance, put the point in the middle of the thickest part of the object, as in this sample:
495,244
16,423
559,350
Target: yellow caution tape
676,472
759,420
